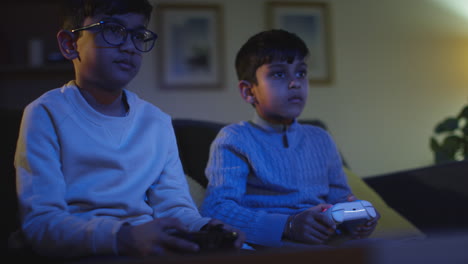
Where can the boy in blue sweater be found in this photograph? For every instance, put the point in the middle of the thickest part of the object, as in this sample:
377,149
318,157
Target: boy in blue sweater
271,176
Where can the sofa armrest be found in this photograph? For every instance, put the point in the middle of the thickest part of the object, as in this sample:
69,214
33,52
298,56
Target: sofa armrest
12,120
434,198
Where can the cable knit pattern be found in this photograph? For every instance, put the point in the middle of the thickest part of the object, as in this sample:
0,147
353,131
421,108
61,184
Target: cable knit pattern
256,182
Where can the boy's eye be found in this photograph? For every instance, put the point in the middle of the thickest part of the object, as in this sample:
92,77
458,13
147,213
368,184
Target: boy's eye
301,74
114,29
278,74
143,35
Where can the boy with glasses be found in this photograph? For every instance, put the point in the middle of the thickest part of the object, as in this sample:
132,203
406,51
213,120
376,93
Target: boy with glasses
98,169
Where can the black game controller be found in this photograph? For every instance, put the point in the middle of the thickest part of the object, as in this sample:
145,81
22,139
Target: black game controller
210,238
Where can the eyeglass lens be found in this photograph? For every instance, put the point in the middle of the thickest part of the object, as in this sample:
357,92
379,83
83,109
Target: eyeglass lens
116,34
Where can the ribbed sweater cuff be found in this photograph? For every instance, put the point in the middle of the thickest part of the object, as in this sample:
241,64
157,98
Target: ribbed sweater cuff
270,229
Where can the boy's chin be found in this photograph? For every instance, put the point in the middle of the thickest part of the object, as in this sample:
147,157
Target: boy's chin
293,115
118,83
122,78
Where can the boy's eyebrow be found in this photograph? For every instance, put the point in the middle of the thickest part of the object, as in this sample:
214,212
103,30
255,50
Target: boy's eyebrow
118,20
275,64
112,19
304,64
282,64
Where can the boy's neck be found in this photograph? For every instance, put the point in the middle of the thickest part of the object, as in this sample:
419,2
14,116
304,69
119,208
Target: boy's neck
105,102
276,126
282,122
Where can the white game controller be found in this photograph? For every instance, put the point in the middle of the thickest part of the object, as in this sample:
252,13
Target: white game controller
355,212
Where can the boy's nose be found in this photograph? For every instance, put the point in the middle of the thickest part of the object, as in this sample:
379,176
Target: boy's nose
128,43
294,84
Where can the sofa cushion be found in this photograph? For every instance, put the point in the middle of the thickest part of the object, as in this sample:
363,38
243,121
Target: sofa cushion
391,224
194,139
197,191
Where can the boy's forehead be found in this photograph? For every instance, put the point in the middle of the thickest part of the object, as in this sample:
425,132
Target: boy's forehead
285,61
127,19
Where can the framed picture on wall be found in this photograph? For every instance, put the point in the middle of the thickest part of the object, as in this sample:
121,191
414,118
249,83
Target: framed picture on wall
311,22
190,55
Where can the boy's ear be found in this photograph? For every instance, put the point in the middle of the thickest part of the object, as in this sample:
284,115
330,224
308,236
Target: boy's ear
67,44
245,88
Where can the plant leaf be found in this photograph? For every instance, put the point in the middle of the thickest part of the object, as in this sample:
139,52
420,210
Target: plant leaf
464,113
465,129
434,144
447,125
452,144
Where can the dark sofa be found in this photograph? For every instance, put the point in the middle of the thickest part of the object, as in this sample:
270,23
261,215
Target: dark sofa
433,198
433,203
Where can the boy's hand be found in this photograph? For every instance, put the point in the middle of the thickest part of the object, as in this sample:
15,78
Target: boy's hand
366,229
312,226
152,238
351,198
240,234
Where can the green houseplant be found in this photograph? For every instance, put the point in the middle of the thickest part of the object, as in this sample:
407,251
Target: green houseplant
450,139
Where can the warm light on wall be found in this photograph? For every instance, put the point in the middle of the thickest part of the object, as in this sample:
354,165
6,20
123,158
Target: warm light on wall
459,31
459,7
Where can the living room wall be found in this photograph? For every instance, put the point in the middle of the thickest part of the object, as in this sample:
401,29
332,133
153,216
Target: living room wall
399,67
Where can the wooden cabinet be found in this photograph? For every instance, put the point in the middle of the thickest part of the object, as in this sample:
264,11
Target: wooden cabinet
23,77
28,45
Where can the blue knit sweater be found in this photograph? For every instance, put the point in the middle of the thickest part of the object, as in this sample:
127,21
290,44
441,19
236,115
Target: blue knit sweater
260,173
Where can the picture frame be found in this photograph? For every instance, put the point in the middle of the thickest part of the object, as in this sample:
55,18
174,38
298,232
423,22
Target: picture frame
190,55
311,22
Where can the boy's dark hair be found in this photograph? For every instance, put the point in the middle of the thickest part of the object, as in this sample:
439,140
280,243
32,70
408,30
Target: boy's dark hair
75,11
266,47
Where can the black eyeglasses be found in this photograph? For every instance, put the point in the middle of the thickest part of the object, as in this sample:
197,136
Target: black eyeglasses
115,34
